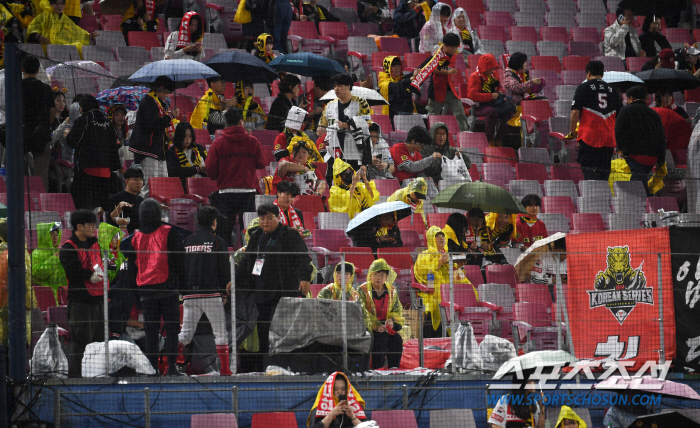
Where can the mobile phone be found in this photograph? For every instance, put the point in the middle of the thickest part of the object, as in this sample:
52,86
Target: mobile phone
379,156
342,398
621,18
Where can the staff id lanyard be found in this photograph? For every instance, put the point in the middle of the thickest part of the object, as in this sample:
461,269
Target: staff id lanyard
260,261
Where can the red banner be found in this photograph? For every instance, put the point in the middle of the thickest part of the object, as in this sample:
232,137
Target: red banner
612,295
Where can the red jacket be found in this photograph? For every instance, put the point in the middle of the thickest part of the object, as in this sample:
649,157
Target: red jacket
441,81
233,159
476,81
677,130
529,234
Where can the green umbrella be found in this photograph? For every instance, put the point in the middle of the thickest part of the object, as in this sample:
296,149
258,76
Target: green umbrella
488,197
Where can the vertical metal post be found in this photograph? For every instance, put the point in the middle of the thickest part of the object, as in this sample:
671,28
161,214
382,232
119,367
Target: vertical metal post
4,419
453,319
561,305
15,215
343,311
234,400
105,304
146,408
233,354
662,346
57,408
421,321
557,261
404,390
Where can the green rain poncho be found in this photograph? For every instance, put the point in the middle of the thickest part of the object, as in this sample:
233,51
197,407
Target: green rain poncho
334,291
395,310
104,236
46,266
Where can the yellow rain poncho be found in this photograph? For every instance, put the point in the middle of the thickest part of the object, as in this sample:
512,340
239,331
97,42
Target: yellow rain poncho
416,186
60,30
385,78
427,262
200,115
620,171
395,310
568,413
341,201
314,155
333,291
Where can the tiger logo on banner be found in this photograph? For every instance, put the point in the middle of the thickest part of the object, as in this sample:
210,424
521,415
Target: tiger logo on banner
620,287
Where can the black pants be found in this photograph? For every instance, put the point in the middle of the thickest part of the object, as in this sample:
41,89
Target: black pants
86,321
169,309
595,161
89,191
428,331
640,172
384,345
233,205
253,362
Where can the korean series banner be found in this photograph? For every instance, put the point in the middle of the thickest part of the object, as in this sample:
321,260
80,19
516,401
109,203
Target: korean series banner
612,295
685,269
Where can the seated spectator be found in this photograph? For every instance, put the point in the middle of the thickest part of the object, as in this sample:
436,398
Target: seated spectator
620,39
652,36
53,27
380,232
117,115
187,42
409,162
337,404
498,233
109,238
209,112
348,194
293,133
139,17
263,48
433,32
443,88
665,59
314,12
396,87
46,265
664,99
253,114
544,267
528,227
334,291
290,87
516,80
123,207
476,225
408,19
298,169
676,130
457,231
289,216
569,419
687,59
185,158
435,260
486,90
441,144
382,162
376,11
13,14
413,195
383,314
463,28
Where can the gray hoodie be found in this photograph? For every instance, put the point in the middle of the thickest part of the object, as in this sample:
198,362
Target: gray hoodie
435,170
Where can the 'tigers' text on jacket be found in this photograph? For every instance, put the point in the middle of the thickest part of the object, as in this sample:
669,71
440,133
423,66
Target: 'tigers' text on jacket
199,248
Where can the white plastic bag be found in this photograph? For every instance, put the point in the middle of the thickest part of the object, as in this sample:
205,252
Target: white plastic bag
455,169
466,355
49,359
495,351
121,353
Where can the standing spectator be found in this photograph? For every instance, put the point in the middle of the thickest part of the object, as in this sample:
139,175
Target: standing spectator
677,130
81,260
208,281
485,89
185,158
516,80
382,162
149,140
407,157
639,135
443,86
433,32
125,204
53,27
36,97
47,123
383,314
620,39
441,144
290,87
664,99
273,275
463,28
158,270
209,112
408,19
187,42
117,115
253,114
46,264
96,155
263,48
687,59
593,113
64,169
283,20
232,161
348,195
316,13
396,87
528,227
652,36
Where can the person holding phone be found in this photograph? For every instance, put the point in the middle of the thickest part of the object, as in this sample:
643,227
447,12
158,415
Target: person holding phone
187,42
620,39
338,404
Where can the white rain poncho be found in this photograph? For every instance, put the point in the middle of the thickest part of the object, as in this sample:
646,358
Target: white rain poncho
477,49
432,32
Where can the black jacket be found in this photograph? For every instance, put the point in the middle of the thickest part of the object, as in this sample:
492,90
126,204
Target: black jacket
407,22
148,137
175,168
76,275
311,14
95,142
639,131
401,96
647,40
281,273
208,268
365,236
278,113
36,97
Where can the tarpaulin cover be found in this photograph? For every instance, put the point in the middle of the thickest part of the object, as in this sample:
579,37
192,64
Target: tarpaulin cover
300,322
121,353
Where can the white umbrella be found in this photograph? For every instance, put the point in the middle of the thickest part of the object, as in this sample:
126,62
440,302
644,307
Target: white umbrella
524,263
621,79
373,97
532,360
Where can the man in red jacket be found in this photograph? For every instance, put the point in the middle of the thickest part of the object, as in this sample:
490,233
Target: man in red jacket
484,88
677,130
232,161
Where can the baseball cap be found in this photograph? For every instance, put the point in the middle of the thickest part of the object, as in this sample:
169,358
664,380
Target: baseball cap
668,58
692,50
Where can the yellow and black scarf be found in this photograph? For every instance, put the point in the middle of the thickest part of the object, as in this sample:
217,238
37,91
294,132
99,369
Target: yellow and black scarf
260,44
248,104
184,162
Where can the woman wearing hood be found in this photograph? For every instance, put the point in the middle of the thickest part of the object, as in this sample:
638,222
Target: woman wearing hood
485,89
47,270
435,29
351,193
569,419
338,404
435,260
463,28
333,291
441,144
413,195
109,238
253,114
263,48
187,42
382,163
383,314
53,27
396,87
380,232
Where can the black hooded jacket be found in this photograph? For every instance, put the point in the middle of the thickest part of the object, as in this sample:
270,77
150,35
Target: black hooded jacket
407,22
639,131
94,140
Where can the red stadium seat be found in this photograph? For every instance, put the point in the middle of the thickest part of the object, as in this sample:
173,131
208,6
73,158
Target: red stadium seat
387,187
145,39
474,274
576,62
202,186
585,34
276,420
361,257
384,123
44,297
394,44
589,222
495,172
473,139
546,63
493,32
111,22
531,171
500,155
692,95
534,113
678,35
559,205
503,19
527,34
555,34
449,120
668,203
567,171
309,203
468,308
472,5
59,202
534,325
337,30
395,418
345,3
635,64
415,59
438,219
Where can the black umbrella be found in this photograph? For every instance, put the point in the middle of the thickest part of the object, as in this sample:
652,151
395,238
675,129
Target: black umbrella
676,80
665,419
307,64
236,66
